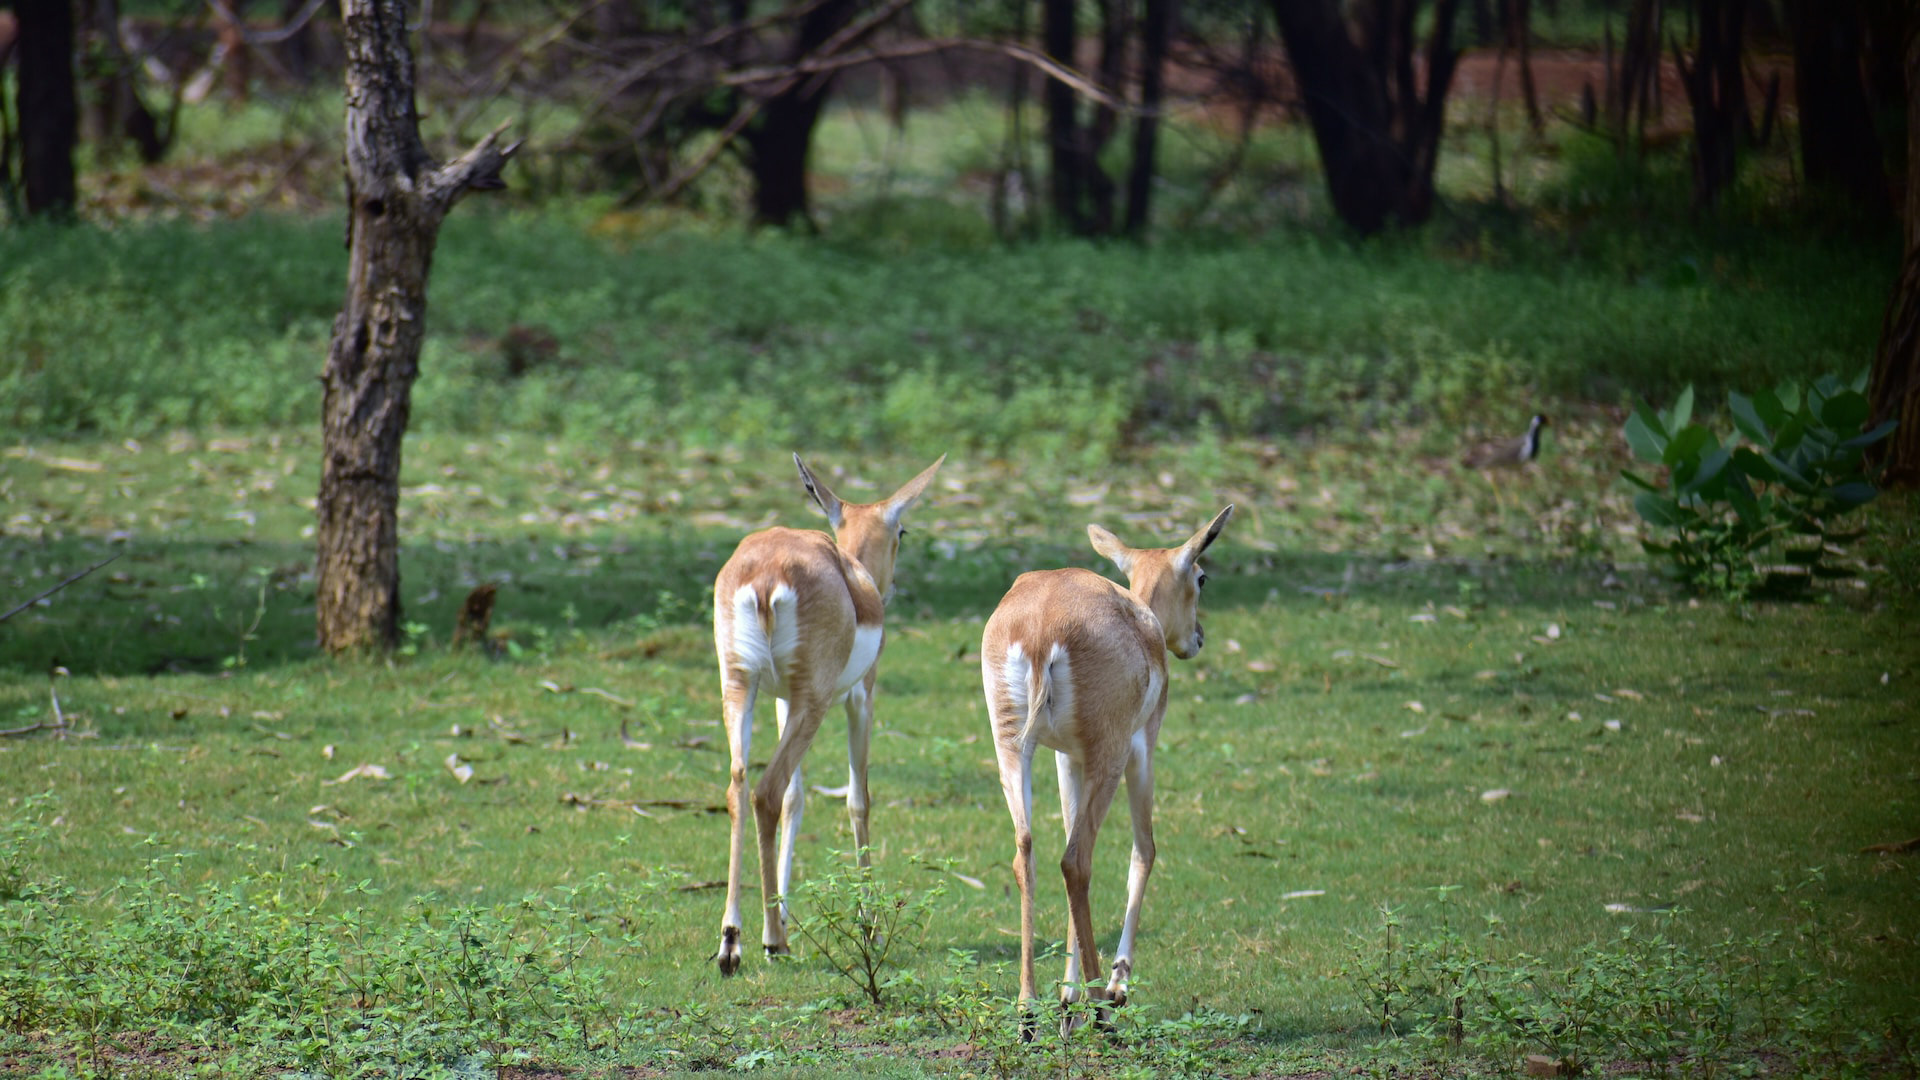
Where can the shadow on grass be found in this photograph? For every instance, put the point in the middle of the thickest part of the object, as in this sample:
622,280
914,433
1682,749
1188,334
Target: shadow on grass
206,607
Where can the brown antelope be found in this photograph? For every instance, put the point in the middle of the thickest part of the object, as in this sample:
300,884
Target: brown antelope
797,613
1073,662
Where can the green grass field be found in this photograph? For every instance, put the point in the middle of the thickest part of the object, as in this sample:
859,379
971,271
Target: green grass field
1388,648
1460,776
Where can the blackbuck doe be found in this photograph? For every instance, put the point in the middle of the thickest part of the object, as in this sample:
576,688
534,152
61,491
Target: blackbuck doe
1075,663
798,613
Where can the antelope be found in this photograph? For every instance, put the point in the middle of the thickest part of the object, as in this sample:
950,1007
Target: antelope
798,613
1073,662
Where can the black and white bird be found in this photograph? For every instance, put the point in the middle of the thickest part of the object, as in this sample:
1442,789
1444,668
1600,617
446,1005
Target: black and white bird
1505,453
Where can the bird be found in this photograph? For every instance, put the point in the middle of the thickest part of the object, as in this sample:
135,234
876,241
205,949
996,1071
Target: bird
1506,453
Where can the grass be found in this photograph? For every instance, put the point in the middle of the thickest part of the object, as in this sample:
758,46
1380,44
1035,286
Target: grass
1445,744
1359,699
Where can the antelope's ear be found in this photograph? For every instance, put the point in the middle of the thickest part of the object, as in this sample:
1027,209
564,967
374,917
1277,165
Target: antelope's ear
822,495
900,501
1110,546
1191,551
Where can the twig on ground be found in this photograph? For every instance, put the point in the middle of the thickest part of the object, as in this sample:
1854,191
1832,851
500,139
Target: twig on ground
62,585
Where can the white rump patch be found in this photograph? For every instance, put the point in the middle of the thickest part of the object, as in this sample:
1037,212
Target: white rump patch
1052,726
759,649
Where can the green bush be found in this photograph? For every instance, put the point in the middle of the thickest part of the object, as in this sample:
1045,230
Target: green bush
1763,514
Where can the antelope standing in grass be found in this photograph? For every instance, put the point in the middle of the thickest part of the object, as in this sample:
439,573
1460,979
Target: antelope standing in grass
797,613
1075,663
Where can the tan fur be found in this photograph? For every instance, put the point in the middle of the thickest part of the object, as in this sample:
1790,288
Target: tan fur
839,586
1074,662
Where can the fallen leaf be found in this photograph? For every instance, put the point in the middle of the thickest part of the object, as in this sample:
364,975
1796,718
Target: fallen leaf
1381,660
1494,795
1414,706
1260,665
966,880
370,772
461,771
1301,894
1900,848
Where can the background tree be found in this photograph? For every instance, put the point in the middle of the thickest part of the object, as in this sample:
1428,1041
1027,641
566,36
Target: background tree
1377,128
1896,366
1839,150
397,198
1716,90
48,116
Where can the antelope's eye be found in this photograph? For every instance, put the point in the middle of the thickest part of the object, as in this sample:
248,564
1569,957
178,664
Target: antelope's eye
902,536
1201,582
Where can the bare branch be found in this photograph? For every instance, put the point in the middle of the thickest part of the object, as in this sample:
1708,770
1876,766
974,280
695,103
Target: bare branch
62,585
476,170
266,37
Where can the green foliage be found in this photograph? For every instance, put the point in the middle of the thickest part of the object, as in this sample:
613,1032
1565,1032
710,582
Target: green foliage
863,925
880,339
288,970
1736,511
1643,996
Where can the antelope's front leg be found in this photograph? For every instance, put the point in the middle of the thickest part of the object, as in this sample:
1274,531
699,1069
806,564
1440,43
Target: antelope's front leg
1140,803
737,700
859,736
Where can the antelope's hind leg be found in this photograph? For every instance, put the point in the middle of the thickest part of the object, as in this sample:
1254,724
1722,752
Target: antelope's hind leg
737,692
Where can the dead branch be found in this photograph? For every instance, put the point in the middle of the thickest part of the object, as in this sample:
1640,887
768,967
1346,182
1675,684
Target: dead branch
62,585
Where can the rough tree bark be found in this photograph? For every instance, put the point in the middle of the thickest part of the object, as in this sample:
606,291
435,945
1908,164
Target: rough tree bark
49,112
1896,366
1378,133
397,198
1839,151
1155,34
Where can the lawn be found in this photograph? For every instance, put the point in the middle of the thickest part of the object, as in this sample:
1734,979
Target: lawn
1421,703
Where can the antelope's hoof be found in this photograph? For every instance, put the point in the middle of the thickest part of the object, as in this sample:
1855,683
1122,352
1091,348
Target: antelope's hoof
1117,986
728,958
778,952
1029,1026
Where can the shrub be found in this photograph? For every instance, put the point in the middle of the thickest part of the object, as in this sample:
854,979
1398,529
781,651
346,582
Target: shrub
1763,514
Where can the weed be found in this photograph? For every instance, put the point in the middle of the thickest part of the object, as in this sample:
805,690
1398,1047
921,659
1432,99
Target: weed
863,925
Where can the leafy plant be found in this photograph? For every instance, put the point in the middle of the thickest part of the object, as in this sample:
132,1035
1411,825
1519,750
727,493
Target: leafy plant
1762,513
860,922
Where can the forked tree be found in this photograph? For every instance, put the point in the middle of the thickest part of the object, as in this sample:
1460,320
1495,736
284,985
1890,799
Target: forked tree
1377,126
397,197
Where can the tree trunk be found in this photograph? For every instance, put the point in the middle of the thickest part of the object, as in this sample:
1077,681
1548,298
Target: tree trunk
1378,135
49,114
1517,16
116,109
1067,177
1155,37
1839,151
1716,91
779,142
1896,366
397,198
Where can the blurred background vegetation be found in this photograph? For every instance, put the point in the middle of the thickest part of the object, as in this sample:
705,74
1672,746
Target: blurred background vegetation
940,261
